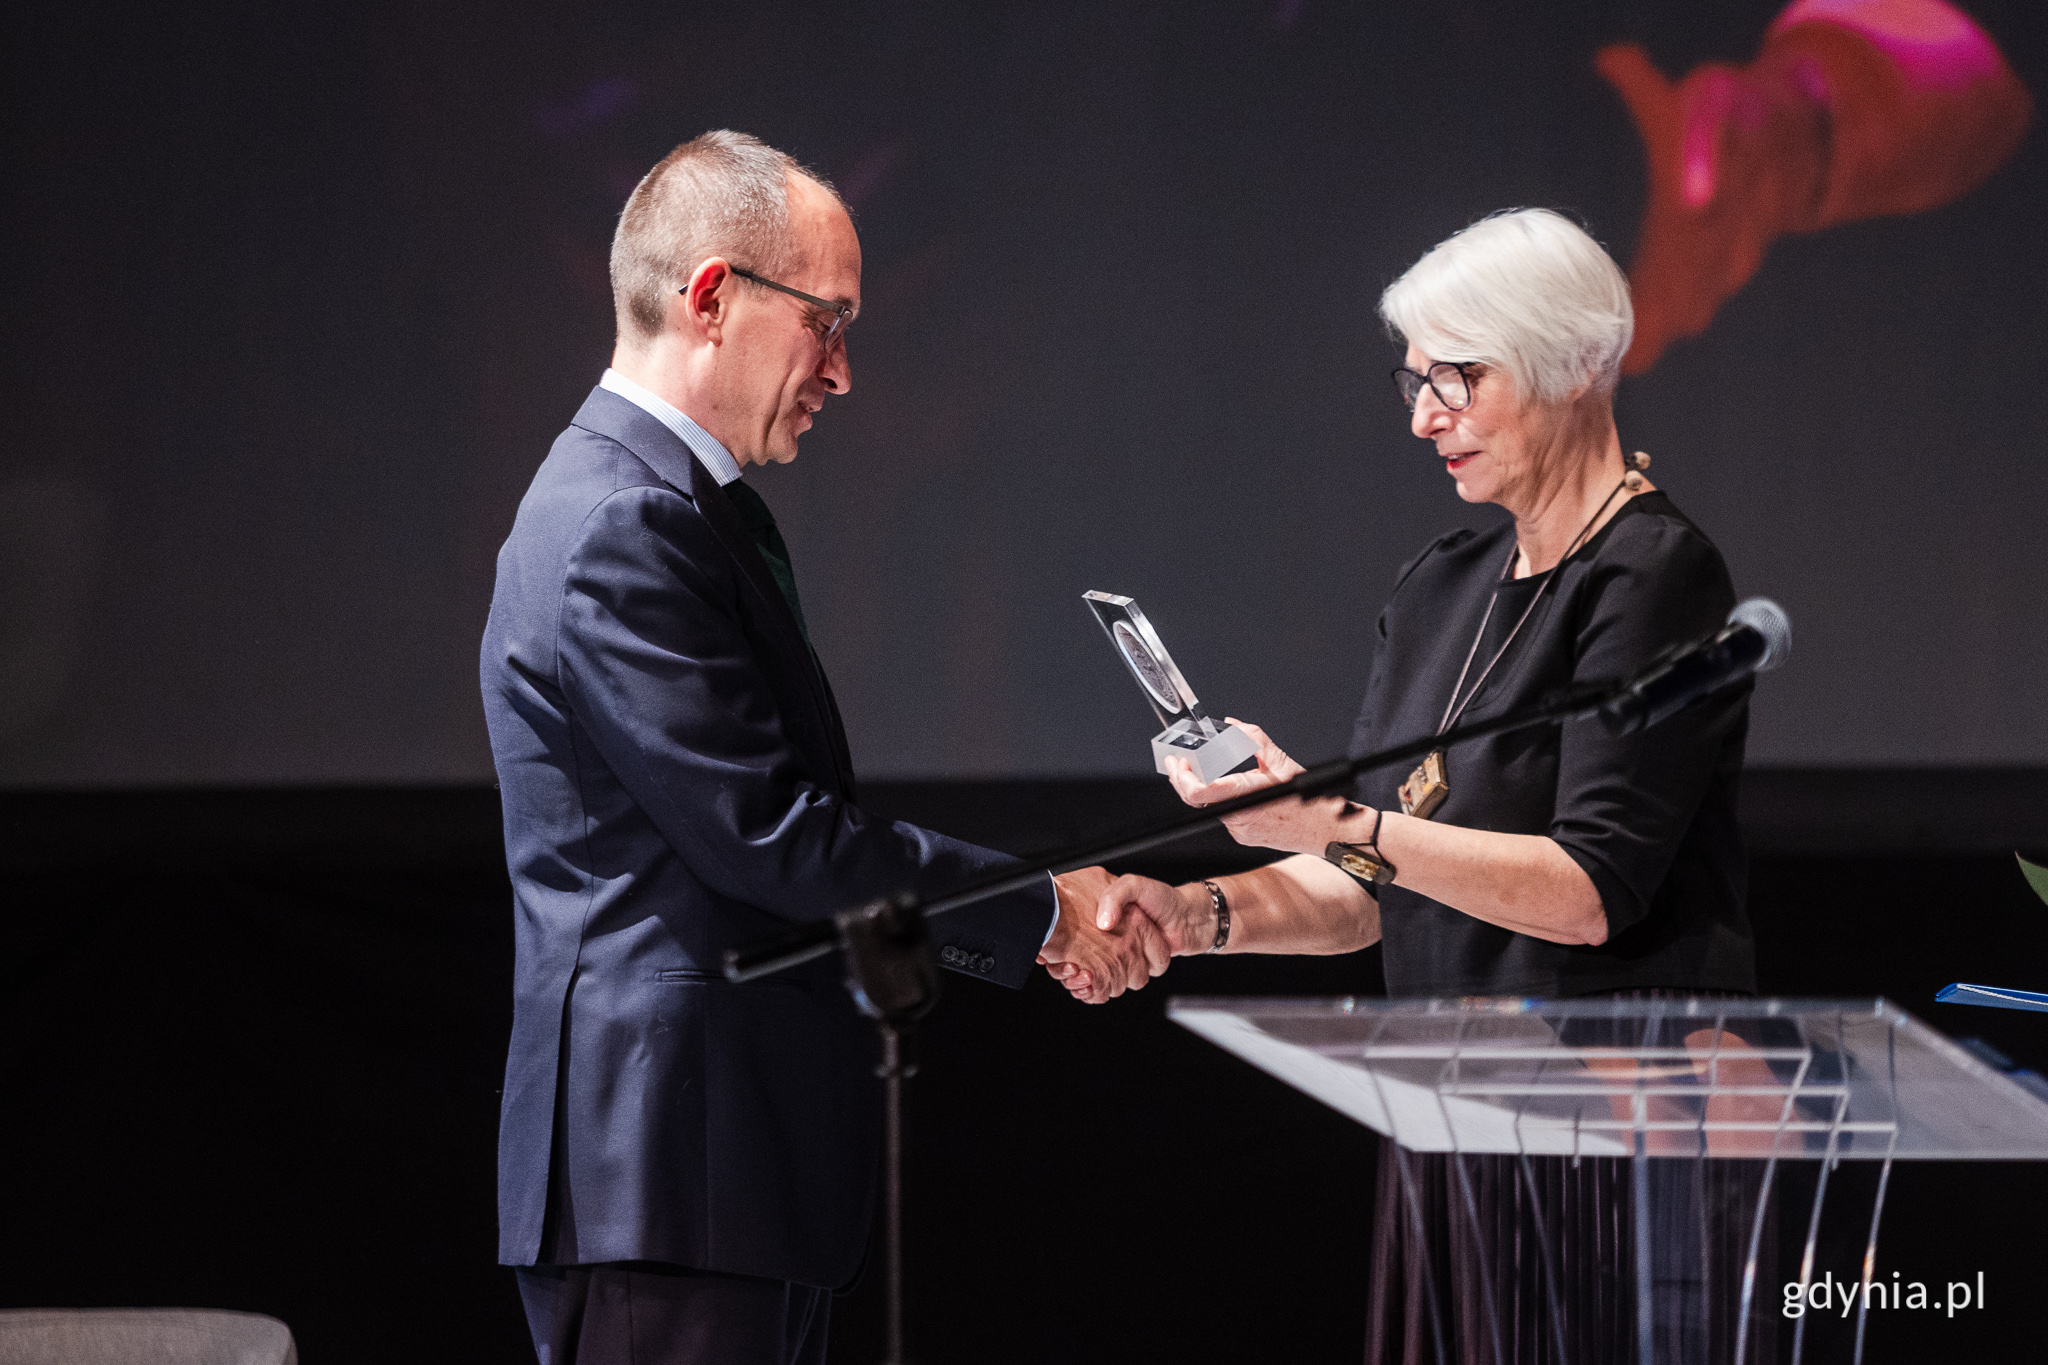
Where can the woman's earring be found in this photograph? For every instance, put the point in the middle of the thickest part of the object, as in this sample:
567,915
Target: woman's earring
1637,463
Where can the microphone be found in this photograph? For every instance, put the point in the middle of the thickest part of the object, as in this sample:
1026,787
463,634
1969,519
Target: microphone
1756,639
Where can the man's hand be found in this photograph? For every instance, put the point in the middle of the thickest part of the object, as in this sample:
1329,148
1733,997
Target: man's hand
1097,965
1184,916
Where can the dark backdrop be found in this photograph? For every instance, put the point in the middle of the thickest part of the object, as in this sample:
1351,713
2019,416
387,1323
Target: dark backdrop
251,1045
299,294
302,292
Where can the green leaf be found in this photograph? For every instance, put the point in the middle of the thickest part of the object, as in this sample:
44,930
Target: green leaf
2037,876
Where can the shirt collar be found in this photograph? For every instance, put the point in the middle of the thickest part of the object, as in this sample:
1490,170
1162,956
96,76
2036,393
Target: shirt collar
709,451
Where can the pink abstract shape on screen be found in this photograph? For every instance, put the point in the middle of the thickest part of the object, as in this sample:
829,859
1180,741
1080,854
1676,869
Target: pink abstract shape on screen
1853,109
1935,45
1706,110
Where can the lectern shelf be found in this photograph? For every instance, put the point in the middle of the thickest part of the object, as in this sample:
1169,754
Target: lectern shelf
1667,1085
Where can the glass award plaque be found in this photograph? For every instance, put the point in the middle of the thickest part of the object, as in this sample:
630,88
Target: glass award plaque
1189,733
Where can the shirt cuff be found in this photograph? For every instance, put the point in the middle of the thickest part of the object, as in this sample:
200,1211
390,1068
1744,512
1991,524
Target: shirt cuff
1054,884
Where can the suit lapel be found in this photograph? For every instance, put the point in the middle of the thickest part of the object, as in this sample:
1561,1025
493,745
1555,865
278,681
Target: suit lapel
607,414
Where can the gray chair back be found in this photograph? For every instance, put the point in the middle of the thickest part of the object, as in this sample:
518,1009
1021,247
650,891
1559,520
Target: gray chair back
142,1336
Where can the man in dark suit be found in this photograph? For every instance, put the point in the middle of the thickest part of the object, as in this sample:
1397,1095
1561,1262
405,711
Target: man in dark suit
686,1166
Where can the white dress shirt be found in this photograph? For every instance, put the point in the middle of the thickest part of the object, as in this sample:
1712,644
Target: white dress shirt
707,448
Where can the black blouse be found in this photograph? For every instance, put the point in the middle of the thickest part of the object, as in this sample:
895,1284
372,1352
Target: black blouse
1649,816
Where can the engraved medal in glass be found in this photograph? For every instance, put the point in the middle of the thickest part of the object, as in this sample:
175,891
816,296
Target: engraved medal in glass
1211,749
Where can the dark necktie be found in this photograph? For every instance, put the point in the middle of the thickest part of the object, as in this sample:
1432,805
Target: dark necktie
759,523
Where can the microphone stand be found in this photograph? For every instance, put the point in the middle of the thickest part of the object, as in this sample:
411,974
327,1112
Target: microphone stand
895,982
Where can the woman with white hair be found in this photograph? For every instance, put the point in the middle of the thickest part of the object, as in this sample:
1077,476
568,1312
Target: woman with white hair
1553,861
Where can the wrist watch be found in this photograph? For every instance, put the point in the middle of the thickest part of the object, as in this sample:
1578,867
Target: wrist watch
1369,865
1364,861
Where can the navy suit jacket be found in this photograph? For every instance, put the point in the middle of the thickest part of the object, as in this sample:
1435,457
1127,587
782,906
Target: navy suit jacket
675,782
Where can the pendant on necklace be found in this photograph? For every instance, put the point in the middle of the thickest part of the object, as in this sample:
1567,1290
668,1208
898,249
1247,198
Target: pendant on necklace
1426,787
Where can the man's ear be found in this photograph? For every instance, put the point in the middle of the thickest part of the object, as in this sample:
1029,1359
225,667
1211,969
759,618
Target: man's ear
703,305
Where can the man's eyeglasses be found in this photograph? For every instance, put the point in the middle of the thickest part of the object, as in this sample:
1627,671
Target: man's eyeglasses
842,314
1450,380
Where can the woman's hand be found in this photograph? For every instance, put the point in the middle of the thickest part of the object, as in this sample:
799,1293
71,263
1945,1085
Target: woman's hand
1295,826
1184,916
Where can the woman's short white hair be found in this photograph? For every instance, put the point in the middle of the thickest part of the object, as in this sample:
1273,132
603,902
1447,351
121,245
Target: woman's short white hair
1525,290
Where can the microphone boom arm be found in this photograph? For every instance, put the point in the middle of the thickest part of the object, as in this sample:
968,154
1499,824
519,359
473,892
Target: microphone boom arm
810,941
1756,638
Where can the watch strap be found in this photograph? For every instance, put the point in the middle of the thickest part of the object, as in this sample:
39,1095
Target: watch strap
1366,864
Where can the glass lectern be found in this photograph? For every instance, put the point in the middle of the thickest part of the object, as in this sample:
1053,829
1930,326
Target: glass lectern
1662,1083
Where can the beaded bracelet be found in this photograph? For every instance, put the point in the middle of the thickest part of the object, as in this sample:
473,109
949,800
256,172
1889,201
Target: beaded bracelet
1222,907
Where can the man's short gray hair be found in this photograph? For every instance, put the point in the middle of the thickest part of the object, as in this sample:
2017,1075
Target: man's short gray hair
719,194
1526,290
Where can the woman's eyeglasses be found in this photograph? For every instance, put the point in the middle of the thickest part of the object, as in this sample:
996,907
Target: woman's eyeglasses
1449,380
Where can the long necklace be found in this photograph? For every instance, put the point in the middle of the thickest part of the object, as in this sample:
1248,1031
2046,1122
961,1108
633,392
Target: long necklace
1430,783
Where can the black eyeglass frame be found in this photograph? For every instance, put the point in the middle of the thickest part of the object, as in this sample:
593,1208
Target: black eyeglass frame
1463,369
842,314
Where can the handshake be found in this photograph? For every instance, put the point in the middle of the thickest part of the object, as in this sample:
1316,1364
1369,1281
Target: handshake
1116,933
